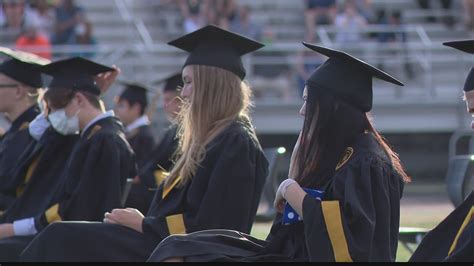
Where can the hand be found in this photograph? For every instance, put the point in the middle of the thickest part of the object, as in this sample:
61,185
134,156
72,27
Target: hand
6,231
136,180
131,218
280,194
105,80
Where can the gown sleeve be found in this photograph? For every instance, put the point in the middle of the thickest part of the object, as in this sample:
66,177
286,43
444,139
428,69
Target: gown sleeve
98,188
355,225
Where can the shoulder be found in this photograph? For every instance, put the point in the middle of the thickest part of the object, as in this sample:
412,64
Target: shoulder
107,129
365,151
238,133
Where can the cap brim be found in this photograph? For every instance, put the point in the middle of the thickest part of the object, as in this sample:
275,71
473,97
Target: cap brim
342,55
75,64
24,56
190,41
462,45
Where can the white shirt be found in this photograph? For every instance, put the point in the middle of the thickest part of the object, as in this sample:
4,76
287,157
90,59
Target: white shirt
142,121
97,118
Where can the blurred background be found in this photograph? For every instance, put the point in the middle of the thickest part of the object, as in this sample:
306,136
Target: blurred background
425,121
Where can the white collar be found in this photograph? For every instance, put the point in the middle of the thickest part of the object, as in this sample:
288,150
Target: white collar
97,118
142,121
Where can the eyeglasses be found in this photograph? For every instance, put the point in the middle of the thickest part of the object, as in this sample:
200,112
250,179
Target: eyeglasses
9,85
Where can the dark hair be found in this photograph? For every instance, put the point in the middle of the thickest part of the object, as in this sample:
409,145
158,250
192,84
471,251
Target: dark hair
58,98
330,127
135,98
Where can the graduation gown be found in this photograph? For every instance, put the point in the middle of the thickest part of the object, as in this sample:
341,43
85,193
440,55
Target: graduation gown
12,145
224,193
96,174
357,220
40,170
142,141
152,173
452,240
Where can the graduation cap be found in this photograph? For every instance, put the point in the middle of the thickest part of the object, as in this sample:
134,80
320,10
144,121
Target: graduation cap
172,82
347,77
462,45
468,47
22,67
75,73
134,92
214,46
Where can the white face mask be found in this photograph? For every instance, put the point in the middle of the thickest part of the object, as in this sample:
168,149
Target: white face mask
63,124
38,126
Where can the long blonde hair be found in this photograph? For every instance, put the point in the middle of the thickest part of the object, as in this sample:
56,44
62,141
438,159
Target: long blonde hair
218,98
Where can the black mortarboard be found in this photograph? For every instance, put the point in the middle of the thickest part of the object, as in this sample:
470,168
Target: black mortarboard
171,82
463,45
134,92
75,73
214,46
468,47
347,77
22,67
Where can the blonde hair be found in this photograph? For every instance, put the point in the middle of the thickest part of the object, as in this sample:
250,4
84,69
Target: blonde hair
218,98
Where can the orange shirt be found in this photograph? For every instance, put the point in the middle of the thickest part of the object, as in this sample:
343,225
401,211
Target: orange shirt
29,45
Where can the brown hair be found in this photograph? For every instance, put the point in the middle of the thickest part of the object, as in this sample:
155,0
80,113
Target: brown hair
219,97
58,98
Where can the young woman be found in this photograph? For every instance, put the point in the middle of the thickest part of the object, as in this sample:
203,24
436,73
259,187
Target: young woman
216,181
340,153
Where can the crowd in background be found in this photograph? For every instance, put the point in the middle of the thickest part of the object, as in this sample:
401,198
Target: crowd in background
36,25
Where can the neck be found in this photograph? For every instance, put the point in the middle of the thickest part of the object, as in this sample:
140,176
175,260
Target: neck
18,110
88,116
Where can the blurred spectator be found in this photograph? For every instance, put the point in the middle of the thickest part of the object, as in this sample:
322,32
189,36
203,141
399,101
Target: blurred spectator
68,16
397,36
244,25
43,14
448,19
227,11
84,36
366,10
33,41
14,14
319,12
468,6
193,12
349,24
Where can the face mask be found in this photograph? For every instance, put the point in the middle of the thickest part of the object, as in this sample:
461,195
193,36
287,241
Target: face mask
38,126
63,124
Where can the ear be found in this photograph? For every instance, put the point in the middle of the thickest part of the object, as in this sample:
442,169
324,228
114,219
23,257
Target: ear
21,92
81,99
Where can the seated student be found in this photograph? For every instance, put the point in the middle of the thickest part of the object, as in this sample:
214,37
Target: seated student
339,158
20,83
160,161
39,169
130,108
96,170
453,239
215,183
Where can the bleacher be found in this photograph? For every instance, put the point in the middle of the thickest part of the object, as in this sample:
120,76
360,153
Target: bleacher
133,34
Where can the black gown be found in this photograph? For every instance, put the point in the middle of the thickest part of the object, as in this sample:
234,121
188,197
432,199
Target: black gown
41,169
96,174
440,244
152,173
12,145
224,193
142,142
357,220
